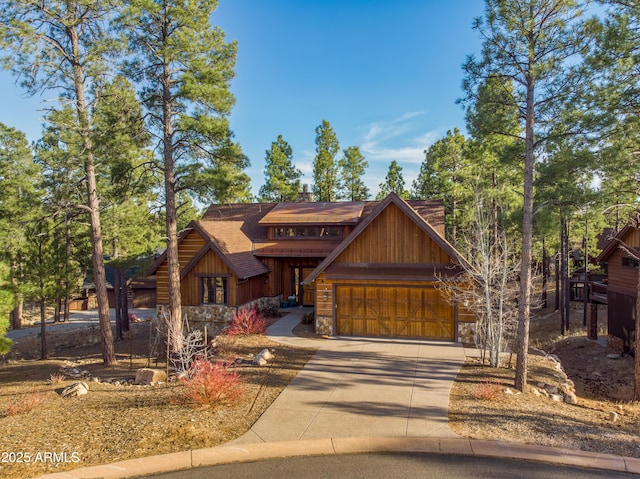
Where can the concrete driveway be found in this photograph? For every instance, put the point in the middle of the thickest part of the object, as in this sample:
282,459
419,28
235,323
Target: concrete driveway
362,387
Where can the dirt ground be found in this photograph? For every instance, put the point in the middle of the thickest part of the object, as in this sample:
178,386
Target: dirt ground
116,422
603,420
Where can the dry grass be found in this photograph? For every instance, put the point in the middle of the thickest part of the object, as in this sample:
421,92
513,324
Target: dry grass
604,420
114,423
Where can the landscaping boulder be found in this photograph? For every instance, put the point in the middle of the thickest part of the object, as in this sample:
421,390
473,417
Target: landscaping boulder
77,389
263,357
570,398
150,376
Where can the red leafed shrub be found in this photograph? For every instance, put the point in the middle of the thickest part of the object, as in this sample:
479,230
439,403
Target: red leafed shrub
488,391
208,384
247,321
25,403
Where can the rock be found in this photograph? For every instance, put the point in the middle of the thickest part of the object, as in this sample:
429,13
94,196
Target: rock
613,356
536,392
149,376
259,361
541,385
551,389
263,357
77,389
554,358
557,397
570,398
613,416
75,373
508,391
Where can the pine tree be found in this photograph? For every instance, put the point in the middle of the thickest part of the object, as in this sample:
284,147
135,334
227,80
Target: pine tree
445,174
352,167
325,168
282,178
19,201
186,66
64,45
394,182
531,43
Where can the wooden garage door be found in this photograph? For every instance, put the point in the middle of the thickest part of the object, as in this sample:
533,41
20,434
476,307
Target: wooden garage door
393,312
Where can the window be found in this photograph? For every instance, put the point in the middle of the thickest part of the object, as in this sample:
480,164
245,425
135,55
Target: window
215,290
308,232
333,231
630,262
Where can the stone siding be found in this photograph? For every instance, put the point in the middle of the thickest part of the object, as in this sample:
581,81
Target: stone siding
324,325
216,317
466,333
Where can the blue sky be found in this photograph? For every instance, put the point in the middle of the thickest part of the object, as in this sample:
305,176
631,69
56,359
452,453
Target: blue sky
386,75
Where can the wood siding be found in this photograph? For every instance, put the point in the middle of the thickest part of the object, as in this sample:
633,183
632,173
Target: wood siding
252,288
621,315
393,237
209,264
188,248
624,278
390,306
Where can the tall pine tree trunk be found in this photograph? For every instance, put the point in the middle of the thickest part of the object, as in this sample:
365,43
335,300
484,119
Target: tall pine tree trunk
93,203
527,239
16,313
124,300
636,368
43,329
173,264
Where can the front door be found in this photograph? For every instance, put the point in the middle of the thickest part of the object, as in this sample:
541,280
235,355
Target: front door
305,294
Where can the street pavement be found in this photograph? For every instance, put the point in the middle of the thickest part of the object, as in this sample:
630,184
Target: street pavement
394,465
77,319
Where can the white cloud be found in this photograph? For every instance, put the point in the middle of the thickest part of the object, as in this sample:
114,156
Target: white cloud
403,139
399,139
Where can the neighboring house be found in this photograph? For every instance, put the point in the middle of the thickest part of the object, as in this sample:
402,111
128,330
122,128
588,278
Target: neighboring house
142,292
622,283
369,268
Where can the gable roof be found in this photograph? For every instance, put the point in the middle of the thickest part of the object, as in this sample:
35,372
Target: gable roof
230,230
418,219
234,247
614,243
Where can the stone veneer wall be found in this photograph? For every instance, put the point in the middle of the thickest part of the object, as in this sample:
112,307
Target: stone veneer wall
466,333
216,317
324,325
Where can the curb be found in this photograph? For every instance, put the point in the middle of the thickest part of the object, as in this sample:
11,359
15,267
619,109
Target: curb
349,445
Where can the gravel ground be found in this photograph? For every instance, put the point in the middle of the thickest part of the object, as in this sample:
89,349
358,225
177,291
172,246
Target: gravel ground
117,422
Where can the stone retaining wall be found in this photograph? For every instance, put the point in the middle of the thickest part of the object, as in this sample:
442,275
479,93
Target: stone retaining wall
28,347
215,317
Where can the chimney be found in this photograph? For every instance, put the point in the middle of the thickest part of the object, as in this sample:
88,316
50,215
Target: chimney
305,196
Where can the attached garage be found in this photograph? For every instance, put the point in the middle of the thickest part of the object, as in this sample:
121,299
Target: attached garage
385,279
394,311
